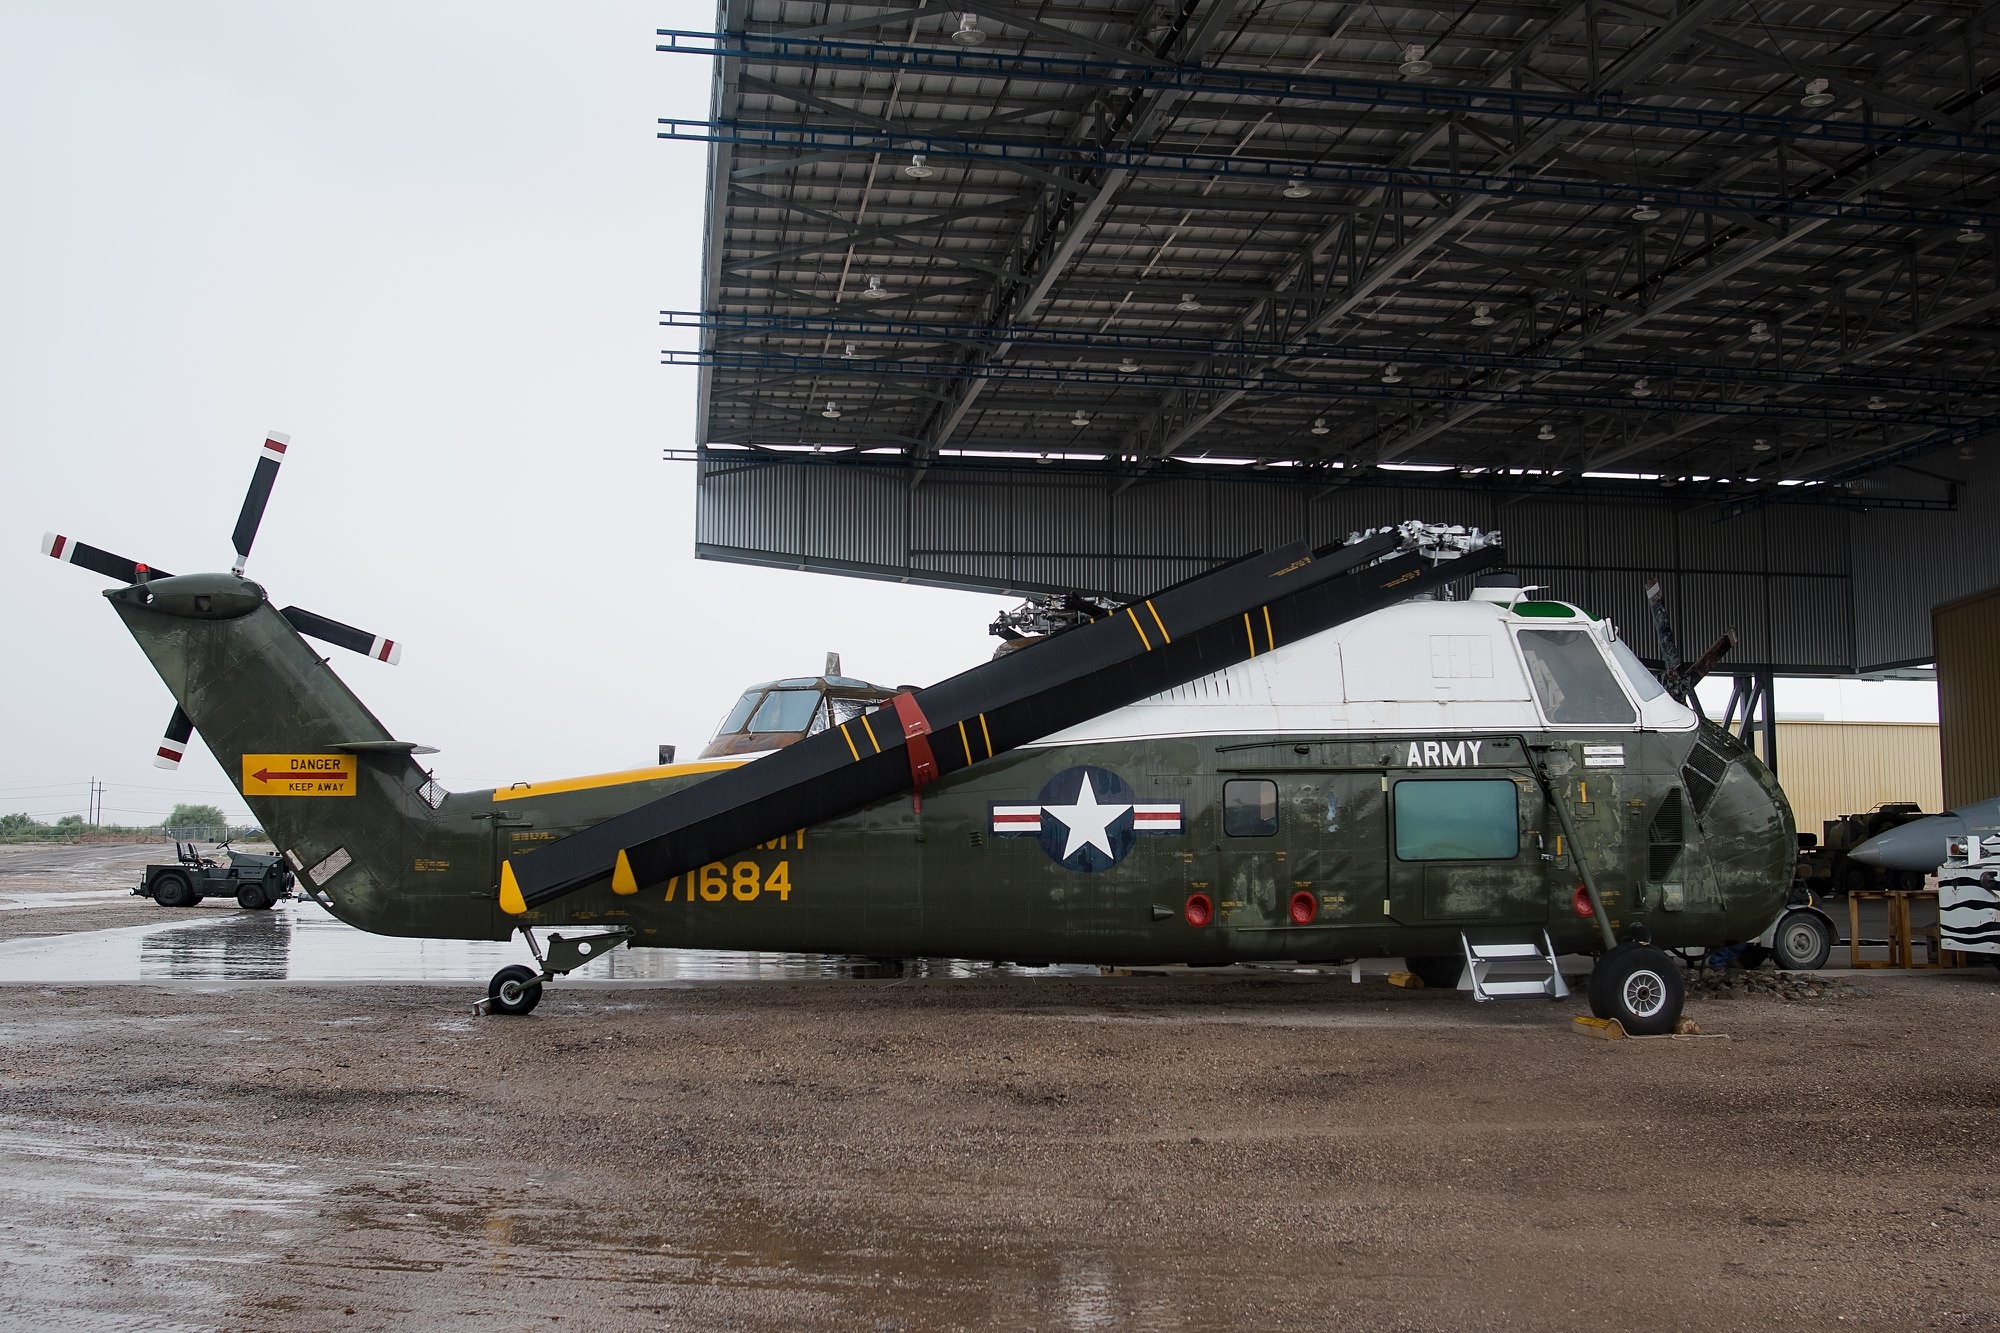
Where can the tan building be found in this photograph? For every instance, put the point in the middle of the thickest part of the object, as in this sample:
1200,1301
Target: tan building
1829,769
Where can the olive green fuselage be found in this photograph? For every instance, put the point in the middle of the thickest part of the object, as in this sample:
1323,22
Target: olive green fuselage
1684,832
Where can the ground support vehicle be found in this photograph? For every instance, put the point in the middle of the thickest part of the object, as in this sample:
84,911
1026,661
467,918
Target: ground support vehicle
254,879
1825,868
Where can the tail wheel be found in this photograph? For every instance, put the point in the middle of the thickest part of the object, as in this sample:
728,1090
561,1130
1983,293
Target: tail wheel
1641,987
514,990
174,889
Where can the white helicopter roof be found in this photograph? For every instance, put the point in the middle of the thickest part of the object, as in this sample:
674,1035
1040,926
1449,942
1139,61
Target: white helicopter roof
1500,662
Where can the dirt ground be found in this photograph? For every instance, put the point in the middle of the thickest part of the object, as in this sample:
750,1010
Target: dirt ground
1220,1150
56,888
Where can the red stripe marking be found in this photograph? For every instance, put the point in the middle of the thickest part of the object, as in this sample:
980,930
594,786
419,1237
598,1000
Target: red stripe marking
169,752
1016,819
61,542
387,647
273,444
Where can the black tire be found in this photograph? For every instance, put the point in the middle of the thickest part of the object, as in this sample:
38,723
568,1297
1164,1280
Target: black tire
174,889
1802,942
1598,972
514,990
1437,971
251,898
1641,987
1752,956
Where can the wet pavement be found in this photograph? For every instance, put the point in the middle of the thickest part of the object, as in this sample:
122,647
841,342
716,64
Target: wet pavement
299,941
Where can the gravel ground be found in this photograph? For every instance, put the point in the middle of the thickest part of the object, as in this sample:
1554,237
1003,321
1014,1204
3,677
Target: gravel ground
1201,1150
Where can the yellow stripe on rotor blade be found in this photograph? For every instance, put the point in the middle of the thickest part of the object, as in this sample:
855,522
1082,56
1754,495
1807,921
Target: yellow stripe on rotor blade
623,882
1164,636
965,740
1270,639
987,734
1140,628
1249,634
511,901
850,743
871,734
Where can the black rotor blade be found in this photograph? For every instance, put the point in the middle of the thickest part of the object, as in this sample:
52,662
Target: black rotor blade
1204,625
1663,625
343,636
1704,664
174,744
96,559
258,495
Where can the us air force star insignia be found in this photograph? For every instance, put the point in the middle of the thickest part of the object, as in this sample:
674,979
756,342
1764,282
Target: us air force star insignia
1085,818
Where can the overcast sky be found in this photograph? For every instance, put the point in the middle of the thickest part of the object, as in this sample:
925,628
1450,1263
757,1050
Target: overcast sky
430,241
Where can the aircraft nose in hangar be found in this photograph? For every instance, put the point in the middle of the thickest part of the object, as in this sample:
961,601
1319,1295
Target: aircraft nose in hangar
1918,845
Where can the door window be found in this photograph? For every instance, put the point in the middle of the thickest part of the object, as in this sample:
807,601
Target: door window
1457,820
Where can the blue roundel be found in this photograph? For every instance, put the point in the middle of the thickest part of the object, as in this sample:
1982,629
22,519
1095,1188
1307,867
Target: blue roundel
1086,818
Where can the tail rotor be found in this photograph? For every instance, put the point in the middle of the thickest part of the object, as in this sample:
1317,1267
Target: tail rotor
1680,677
180,728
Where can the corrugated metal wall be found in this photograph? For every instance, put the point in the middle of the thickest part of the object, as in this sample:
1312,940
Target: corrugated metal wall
1906,562
1968,662
1790,579
1829,769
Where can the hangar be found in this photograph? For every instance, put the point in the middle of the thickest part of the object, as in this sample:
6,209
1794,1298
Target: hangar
1093,297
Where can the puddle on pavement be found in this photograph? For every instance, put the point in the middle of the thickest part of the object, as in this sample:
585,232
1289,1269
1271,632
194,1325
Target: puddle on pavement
301,941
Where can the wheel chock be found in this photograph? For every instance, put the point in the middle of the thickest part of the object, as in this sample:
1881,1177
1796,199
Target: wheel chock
1407,980
1610,1029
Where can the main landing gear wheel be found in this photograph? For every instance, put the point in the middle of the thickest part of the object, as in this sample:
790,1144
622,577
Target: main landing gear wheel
251,898
1802,942
1641,987
174,890
1437,971
514,990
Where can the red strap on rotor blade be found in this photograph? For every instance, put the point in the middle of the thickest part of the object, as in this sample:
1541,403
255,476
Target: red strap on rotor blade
916,739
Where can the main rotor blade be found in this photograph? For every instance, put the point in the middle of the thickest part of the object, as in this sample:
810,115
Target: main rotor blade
1704,664
1202,626
343,636
258,495
1663,625
96,559
174,744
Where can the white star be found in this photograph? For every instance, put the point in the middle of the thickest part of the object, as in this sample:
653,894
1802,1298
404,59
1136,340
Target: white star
1089,823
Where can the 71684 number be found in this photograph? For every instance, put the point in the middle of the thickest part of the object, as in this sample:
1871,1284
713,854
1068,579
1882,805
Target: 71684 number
741,881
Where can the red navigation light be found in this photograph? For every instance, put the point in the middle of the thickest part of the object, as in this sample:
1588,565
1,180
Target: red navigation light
1582,900
1304,908
1200,911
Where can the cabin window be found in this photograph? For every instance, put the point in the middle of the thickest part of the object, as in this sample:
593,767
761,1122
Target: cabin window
785,710
1249,808
1450,819
1570,678
846,710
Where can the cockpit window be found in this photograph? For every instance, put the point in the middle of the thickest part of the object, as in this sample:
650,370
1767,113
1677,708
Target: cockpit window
1570,678
785,710
1642,681
739,714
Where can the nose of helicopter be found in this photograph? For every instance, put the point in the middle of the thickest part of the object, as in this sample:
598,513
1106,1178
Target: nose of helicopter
1918,845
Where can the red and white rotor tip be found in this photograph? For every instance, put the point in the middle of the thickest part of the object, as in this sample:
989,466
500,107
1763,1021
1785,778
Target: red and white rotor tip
274,445
386,650
60,547
169,755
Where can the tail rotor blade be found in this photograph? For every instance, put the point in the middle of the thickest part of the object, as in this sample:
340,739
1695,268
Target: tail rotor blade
343,636
258,495
96,559
1706,663
174,744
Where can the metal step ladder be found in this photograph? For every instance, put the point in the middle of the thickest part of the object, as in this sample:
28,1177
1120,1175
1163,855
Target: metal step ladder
1480,958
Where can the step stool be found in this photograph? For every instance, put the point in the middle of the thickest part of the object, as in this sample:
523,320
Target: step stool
1480,958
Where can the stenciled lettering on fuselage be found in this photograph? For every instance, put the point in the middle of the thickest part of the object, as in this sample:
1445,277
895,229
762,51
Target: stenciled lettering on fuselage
1085,818
1443,754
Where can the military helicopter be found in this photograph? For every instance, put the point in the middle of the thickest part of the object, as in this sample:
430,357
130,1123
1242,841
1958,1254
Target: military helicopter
1305,754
